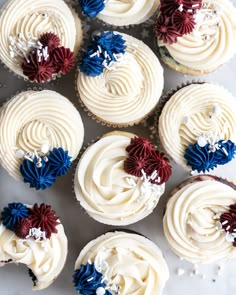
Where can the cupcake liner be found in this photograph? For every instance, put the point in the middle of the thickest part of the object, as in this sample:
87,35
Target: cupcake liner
70,4
153,129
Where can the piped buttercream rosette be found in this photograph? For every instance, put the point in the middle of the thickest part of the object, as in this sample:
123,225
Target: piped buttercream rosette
120,178
120,79
118,12
120,263
41,134
40,41
200,220
33,235
197,36
197,126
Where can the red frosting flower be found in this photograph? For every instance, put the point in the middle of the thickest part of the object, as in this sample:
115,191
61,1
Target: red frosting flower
35,70
43,217
50,40
22,228
63,59
140,146
228,221
134,164
183,22
159,163
165,31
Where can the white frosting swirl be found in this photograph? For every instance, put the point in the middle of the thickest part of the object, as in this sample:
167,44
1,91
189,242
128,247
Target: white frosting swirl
189,223
123,12
210,45
104,188
134,263
190,113
21,17
33,118
45,258
128,91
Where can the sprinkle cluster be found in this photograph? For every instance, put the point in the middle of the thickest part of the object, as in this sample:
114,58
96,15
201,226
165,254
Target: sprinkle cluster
228,224
105,49
144,160
176,18
205,155
45,58
92,7
38,222
41,171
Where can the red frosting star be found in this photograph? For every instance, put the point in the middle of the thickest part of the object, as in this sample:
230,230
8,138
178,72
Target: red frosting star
159,163
134,164
43,217
140,146
183,22
35,70
165,31
22,228
50,40
63,59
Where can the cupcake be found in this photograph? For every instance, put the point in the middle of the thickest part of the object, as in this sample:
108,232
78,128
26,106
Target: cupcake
120,178
200,220
117,13
120,263
120,79
39,42
41,134
196,37
197,126
33,236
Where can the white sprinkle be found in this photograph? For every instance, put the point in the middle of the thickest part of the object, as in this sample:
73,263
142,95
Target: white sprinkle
228,227
28,158
180,271
201,141
45,148
93,54
100,291
224,150
90,279
225,222
100,49
181,7
20,154
195,5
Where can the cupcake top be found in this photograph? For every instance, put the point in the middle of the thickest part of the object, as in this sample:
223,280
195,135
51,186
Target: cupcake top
120,263
33,235
118,12
120,79
198,34
41,134
200,220
120,178
197,127
39,41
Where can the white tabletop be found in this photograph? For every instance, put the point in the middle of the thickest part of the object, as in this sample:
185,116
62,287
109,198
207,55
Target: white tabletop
79,227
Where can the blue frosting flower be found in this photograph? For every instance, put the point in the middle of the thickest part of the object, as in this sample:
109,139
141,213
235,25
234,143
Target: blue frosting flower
103,50
92,7
91,66
87,280
199,158
226,152
59,161
12,214
40,178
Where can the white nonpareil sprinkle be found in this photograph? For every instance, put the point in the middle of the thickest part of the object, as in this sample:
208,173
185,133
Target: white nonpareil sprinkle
201,141
20,154
180,271
45,148
100,291
36,233
181,7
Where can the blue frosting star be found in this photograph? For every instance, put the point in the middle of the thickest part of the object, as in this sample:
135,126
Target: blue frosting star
59,161
13,213
199,158
101,52
92,7
39,178
226,152
87,280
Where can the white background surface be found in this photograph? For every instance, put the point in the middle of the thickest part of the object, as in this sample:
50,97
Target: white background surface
79,227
